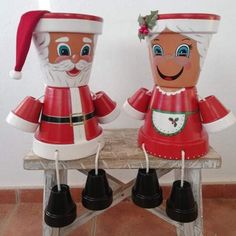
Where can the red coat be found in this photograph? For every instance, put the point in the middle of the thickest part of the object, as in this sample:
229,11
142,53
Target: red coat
172,123
58,103
68,122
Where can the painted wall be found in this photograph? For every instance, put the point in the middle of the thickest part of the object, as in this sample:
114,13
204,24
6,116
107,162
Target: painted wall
121,66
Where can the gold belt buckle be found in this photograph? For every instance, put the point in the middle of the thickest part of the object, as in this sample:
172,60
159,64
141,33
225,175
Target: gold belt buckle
74,115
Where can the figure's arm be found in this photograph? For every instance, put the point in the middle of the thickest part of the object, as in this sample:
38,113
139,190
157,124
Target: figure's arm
215,117
136,106
26,115
106,109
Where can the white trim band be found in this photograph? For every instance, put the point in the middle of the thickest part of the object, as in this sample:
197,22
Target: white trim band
220,124
186,26
169,93
20,123
109,117
69,25
132,111
68,151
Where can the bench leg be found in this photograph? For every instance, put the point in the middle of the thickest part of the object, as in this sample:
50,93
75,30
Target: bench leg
49,182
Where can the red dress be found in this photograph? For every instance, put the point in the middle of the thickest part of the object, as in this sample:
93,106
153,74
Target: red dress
172,124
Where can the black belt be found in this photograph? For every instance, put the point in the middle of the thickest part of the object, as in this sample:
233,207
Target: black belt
73,119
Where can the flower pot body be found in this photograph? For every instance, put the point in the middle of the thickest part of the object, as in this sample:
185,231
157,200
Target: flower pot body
173,119
69,121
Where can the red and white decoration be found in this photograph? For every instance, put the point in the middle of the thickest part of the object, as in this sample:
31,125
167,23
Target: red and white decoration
67,121
175,121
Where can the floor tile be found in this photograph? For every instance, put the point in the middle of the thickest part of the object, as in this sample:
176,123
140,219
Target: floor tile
30,195
219,217
213,191
85,229
76,194
26,221
126,219
5,212
7,196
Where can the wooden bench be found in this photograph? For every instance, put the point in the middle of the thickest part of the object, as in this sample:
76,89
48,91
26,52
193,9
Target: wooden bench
121,152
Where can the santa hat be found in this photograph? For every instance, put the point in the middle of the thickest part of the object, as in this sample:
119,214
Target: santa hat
45,21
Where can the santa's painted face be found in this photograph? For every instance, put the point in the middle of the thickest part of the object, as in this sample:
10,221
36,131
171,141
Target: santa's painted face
175,60
69,59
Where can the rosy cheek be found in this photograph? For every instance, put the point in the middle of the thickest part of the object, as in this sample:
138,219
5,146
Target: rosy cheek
157,60
87,58
188,66
62,58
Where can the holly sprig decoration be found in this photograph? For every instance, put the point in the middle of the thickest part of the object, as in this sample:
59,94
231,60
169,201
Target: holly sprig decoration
146,23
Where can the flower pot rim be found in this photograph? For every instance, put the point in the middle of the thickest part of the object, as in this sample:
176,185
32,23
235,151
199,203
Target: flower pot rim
200,16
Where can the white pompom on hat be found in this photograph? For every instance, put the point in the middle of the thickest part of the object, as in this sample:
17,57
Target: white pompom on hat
25,30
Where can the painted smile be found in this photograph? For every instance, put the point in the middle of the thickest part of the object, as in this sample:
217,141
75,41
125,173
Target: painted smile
168,77
74,72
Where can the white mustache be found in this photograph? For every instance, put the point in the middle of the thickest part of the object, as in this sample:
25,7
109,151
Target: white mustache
68,65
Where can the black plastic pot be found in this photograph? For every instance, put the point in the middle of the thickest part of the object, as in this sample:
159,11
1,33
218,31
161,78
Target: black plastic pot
97,195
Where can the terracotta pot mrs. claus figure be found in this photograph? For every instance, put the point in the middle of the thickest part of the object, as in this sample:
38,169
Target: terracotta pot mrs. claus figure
67,119
175,120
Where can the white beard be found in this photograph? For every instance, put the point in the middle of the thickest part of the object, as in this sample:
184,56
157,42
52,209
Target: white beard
56,73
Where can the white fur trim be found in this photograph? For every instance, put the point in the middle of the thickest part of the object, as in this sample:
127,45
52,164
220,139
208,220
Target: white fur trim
133,112
170,93
68,151
15,74
187,25
109,117
220,124
69,25
20,123
76,107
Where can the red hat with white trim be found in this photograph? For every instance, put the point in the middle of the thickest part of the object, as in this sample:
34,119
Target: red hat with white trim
45,21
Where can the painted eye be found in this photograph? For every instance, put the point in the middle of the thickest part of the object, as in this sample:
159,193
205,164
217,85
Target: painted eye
157,50
183,50
85,50
63,49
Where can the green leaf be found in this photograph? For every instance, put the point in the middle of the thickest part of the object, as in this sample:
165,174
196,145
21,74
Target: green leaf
141,20
141,36
154,12
151,19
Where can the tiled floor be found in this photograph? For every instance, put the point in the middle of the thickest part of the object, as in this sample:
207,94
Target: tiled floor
124,219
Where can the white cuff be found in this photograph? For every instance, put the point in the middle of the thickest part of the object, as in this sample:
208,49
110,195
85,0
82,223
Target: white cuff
133,112
220,124
109,117
20,123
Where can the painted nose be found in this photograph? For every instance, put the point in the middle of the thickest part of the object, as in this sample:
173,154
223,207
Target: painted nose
75,58
169,56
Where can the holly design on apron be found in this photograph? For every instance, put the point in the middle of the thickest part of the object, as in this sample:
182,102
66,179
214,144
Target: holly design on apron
169,123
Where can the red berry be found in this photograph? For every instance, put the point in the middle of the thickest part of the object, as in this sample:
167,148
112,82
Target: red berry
140,31
143,27
145,31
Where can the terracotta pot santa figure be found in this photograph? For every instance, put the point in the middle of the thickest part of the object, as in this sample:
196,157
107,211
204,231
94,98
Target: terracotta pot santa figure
67,119
175,120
